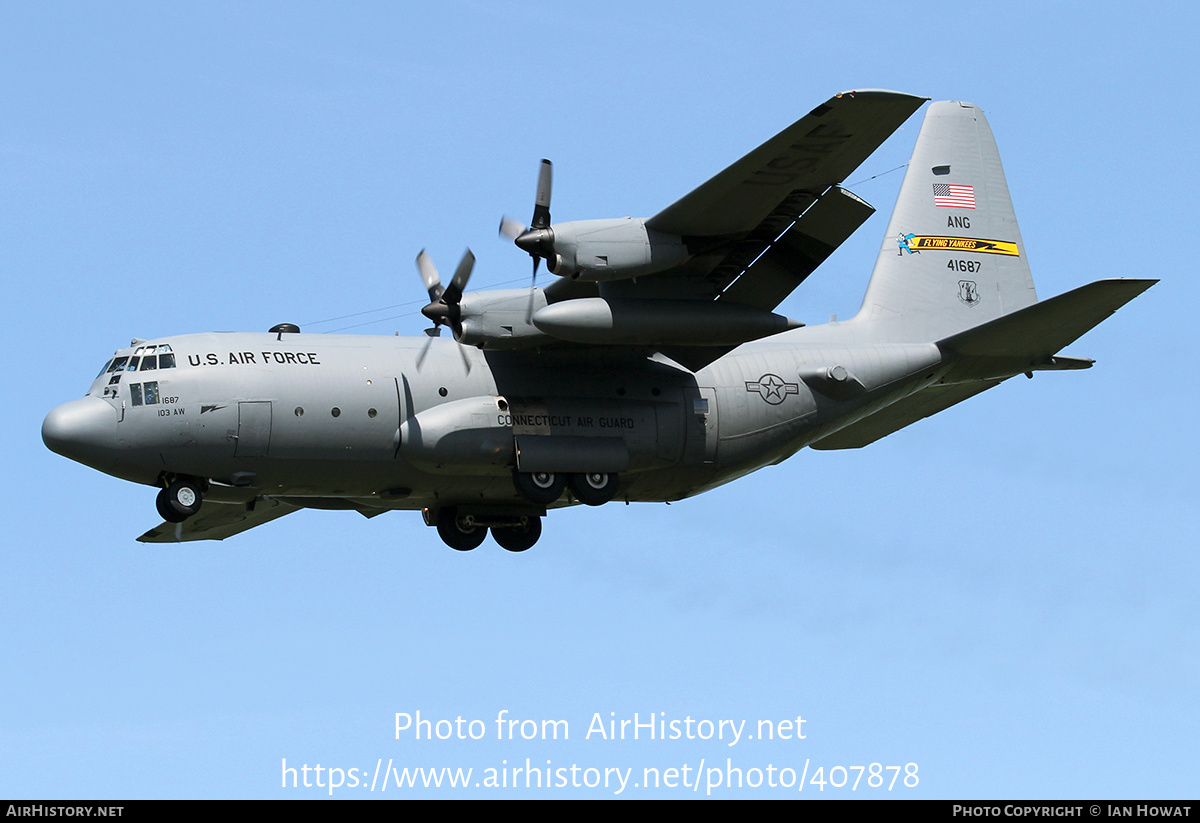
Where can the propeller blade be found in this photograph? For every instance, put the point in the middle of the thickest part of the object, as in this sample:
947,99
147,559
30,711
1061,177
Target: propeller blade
424,351
463,273
512,229
458,283
538,239
462,350
429,276
532,293
541,202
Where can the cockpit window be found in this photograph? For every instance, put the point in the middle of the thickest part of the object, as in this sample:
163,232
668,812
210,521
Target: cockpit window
135,393
144,358
151,392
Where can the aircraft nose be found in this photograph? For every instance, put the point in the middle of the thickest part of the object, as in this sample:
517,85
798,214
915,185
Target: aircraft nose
84,430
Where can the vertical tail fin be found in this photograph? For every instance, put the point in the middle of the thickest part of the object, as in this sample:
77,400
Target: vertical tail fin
953,257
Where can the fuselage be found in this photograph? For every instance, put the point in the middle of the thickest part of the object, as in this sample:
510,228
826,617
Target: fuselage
382,423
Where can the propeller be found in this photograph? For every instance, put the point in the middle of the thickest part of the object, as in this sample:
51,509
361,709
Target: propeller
538,239
445,302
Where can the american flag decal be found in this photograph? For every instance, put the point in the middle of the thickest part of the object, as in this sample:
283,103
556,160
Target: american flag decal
951,196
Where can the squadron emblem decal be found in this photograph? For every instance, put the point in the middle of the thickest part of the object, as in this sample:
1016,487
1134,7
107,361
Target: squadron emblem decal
968,292
770,387
917,243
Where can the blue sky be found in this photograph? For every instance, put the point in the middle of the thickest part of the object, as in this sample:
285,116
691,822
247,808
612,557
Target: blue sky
1004,595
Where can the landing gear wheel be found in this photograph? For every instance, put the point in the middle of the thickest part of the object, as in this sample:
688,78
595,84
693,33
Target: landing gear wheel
520,538
459,533
164,509
542,488
593,488
178,501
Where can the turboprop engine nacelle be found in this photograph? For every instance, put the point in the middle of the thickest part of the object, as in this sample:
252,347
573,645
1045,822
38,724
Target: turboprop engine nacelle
499,319
613,249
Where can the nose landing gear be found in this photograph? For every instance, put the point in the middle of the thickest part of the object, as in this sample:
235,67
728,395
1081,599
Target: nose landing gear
179,500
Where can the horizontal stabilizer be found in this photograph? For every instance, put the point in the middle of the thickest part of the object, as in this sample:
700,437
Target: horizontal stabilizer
904,413
988,354
216,521
1032,334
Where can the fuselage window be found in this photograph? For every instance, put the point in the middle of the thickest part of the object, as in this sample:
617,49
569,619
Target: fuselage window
151,392
135,393
149,363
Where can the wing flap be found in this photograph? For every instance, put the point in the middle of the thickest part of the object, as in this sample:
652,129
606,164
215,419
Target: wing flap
216,521
793,257
812,154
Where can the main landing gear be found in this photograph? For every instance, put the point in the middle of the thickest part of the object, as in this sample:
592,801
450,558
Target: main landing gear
590,488
179,500
459,532
463,531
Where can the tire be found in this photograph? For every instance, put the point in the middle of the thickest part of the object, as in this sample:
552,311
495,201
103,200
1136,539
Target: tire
594,488
182,498
542,488
164,509
521,538
459,533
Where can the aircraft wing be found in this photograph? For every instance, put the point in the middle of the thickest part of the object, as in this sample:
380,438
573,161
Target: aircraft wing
760,227
814,153
216,521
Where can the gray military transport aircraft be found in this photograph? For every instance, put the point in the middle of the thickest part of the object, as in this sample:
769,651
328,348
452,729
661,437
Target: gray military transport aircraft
653,369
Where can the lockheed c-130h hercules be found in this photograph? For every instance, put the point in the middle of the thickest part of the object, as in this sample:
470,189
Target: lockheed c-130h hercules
652,369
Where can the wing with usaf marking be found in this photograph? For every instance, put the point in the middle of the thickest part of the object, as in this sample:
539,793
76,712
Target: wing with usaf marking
812,154
756,230
216,521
